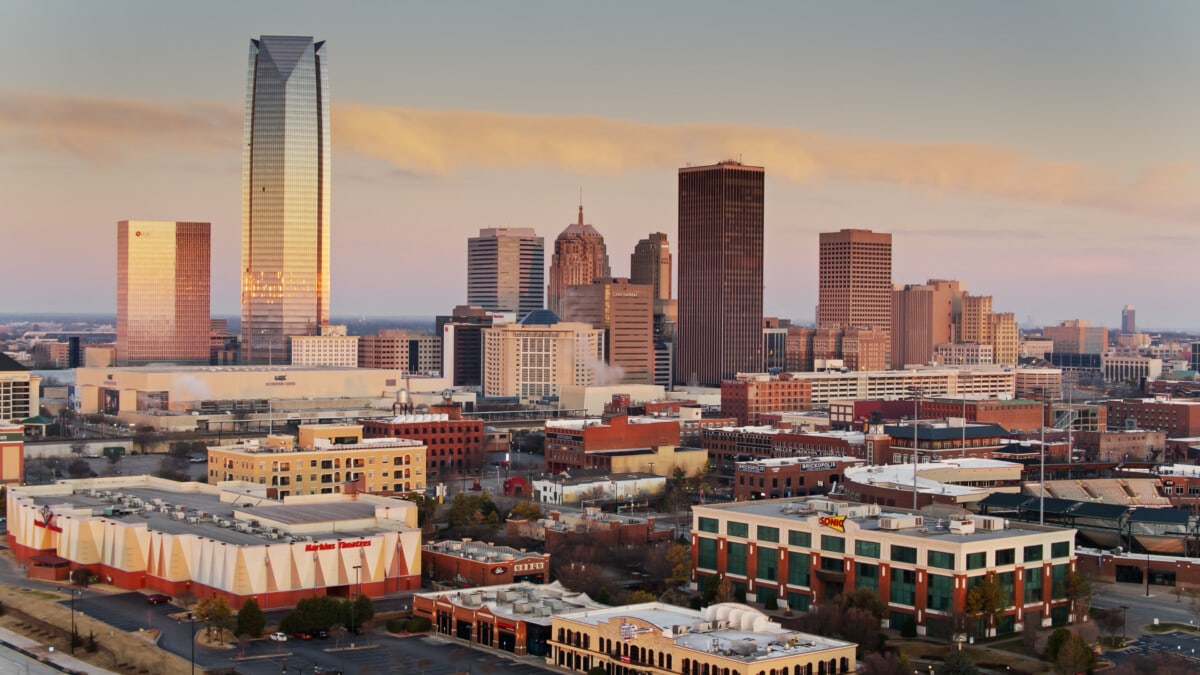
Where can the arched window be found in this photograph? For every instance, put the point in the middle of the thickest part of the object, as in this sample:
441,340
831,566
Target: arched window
845,665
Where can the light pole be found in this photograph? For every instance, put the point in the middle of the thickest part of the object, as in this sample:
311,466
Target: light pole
74,592
353,593
916,431
1123,609
1147,573
1042,488
192,636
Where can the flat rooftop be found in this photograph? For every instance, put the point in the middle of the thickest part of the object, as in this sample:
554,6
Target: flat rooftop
600,422
524,601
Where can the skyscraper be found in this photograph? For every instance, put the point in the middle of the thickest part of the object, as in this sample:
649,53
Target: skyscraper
720,272
1128,319
923,317
285,195
650,265
163,290
854,287
506,270
580,258
624,311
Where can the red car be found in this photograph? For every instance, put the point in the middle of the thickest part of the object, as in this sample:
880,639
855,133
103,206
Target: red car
302,635
158,599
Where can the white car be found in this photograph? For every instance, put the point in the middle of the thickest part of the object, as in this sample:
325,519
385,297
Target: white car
278,637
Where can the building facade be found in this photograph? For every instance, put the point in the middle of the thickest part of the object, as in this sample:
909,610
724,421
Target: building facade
923,316
789,476
1178,418
625,312
20,391
454,445
506,270
163,289
854,280
469,563
325,459
286,181
324,350
403,350
531,359
569,441
805,552
749,396
580,258
12,453
1077,336
719,333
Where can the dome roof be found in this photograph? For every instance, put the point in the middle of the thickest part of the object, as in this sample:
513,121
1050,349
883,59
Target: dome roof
540,317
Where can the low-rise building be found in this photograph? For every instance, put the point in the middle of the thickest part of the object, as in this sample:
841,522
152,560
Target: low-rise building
724,638
514,618
574,487
950,482
325,459
568,442
1127,444
789,476
748,396
455,445
612,530
12,453
475,563
331,348
1176,417
809,551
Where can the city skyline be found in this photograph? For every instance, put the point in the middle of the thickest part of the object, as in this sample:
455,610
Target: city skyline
1068,163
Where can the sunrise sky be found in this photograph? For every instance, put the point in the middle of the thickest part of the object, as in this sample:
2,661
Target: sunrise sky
1047,154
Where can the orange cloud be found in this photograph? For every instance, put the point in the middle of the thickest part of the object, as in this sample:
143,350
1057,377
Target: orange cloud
442,141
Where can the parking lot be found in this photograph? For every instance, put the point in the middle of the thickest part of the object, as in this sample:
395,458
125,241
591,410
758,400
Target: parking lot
1182,644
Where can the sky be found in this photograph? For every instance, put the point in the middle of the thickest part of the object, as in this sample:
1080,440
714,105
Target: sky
1046,154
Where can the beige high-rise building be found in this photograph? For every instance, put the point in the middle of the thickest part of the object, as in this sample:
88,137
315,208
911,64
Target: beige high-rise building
854,288
1077,336
506,270
531,359
333,347
625,312
976,322
580,258
1006,338
163,290
922,317
401,349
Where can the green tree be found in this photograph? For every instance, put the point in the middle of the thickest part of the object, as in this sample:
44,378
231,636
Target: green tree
1079,591
679,557
958,663
250,619
864,598
640,596
426,506
986,599
525,511
215,613
1058,637
364,609
473,509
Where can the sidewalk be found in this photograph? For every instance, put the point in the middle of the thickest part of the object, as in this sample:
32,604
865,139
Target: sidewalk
35,650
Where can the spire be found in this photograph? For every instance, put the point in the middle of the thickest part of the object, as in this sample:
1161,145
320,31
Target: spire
581,206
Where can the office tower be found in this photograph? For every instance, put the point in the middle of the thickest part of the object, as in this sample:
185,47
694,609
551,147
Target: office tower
1006,338
20,391
855,280
719,332
1077,336
333,347
1128,320
532,358
975,323
624,311
397,349
923,316
580,258
506,270
162,292
285,196
462,343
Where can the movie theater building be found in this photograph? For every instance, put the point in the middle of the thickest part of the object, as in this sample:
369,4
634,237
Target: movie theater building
477,563
724,639
227,540
806,552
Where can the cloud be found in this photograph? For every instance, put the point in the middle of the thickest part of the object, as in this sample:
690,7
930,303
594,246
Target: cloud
439,142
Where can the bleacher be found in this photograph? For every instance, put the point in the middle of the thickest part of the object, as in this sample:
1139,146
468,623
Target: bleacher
1068,489
1146,492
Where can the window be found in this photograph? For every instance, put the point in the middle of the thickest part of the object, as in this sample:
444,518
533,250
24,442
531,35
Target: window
709,525
1058,580
735,559
1006,587
1060,549
904,587
1006,556
833,544
904,554
976,561
735,529
941,559
866,549
768,563
1033,584
768,534
799,565
799,539
866,576
706,553
940,595
831,564
1033,553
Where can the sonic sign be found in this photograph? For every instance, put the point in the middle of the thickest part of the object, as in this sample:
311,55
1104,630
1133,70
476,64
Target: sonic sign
833,522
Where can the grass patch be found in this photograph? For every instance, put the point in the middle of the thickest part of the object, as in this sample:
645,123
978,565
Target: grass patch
1169,628
44,595
1013,646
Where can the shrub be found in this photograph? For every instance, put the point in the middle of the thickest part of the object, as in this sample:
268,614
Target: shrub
909,629
1054,643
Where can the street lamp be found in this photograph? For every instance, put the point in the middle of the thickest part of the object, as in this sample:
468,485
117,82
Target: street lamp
1123,610
192,633
74,592
916,430
356,571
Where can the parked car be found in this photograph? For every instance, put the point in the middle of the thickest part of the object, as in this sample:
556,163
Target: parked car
278,637
158,599
197,459
321,634
302,635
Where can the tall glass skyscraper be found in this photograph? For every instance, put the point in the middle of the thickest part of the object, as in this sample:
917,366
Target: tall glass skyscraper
163,289
285,196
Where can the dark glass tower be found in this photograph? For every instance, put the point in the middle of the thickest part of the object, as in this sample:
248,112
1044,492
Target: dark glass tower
285,196
719,332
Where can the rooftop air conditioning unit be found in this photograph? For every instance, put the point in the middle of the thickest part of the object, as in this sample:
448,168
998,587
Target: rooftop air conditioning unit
225,523
191,520
177,516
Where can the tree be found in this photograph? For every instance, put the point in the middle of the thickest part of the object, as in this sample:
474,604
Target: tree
525,511
37,472
250,619
1054,643
339,633
987,599
215,613
639,596
173,468
679,557
958,663
878,664
1111,621
865,598
473,509
1074,657
79,468
1079,591
364,609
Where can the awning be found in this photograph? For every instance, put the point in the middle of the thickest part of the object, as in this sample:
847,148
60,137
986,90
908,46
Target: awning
49,560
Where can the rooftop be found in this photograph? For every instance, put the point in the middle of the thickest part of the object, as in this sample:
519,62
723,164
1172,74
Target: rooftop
478,550
528,602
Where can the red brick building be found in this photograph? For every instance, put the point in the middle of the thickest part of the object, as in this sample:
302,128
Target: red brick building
567,441
746,398
789,476
455,445
1014,415
936,442
729,445
474,563
1176,417
1134,444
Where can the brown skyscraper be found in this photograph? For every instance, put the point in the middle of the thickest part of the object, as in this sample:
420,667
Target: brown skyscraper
163,280
624,311
855,280
720,272
580,258
923,317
